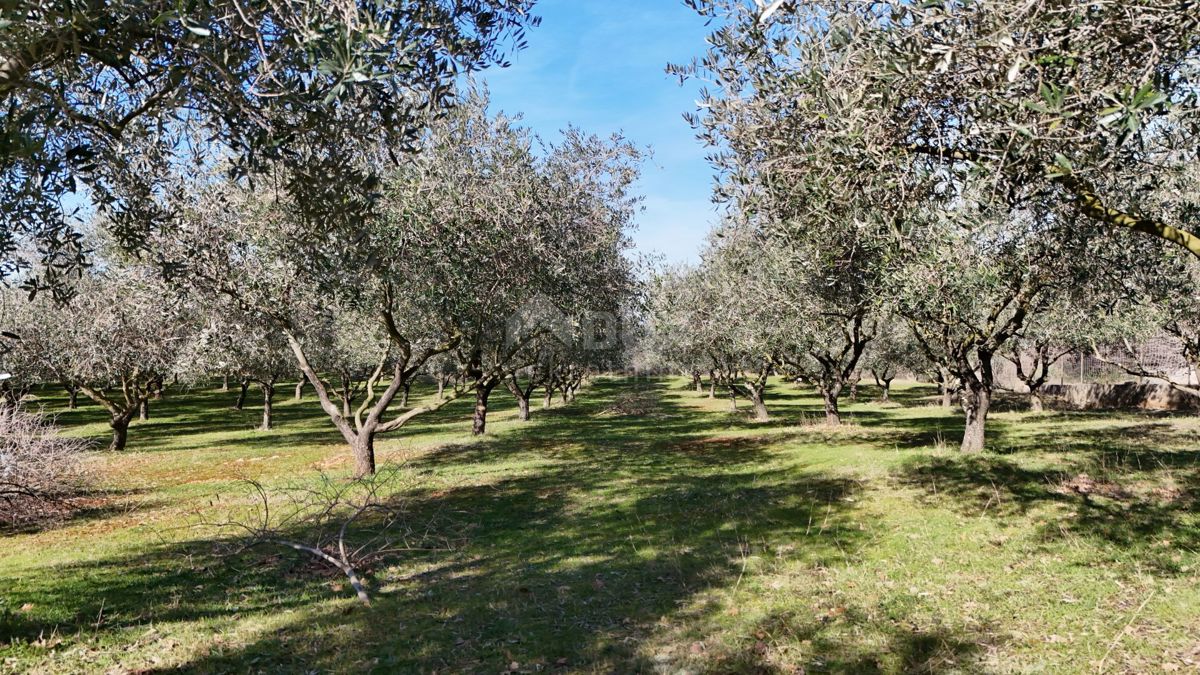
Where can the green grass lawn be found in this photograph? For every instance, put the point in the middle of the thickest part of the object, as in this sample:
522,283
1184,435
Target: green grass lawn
644,528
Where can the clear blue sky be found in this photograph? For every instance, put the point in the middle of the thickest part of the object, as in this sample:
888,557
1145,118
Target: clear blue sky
600,65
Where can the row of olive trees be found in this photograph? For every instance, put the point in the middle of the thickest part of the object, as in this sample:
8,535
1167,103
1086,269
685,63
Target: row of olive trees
970,171
494,260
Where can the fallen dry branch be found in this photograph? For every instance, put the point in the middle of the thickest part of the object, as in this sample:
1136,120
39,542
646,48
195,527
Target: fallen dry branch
346,524
39,469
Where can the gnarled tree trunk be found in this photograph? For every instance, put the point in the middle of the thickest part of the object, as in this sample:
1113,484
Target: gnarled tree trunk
1036,402
120,432
760,406
976,399
829,396
482,392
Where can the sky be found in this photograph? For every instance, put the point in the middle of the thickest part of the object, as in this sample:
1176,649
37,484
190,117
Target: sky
601,65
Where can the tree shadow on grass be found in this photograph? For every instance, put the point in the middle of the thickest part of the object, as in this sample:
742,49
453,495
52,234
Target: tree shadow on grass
1131,512
855,640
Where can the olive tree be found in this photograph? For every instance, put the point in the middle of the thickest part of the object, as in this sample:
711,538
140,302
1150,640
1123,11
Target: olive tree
247,346
116,339
979,276
743,338
548,237
432,269
892,352
1046,338
1083,104
342,309
673,339
99,100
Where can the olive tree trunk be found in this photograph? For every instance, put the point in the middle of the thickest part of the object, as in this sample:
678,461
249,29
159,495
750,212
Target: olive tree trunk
976,399
1036,402
120,432
268,392
945,388
363,448
522,394
757,397
833,416
482,392
241,399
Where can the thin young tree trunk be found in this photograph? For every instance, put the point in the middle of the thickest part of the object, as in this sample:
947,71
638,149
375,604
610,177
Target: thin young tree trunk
697,382
887,390
712,384
268,392
732,399
300,388
72,396
441,387
144,410
225,382
404,394
522,396
548,399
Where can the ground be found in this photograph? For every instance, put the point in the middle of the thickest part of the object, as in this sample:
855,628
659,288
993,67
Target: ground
643,528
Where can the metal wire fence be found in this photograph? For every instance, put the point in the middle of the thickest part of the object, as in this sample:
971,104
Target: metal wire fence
1162,355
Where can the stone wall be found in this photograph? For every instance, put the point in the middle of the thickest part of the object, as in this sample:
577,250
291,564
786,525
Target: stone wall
1129,395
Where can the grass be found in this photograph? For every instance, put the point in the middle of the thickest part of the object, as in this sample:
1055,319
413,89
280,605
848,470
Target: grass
643,528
